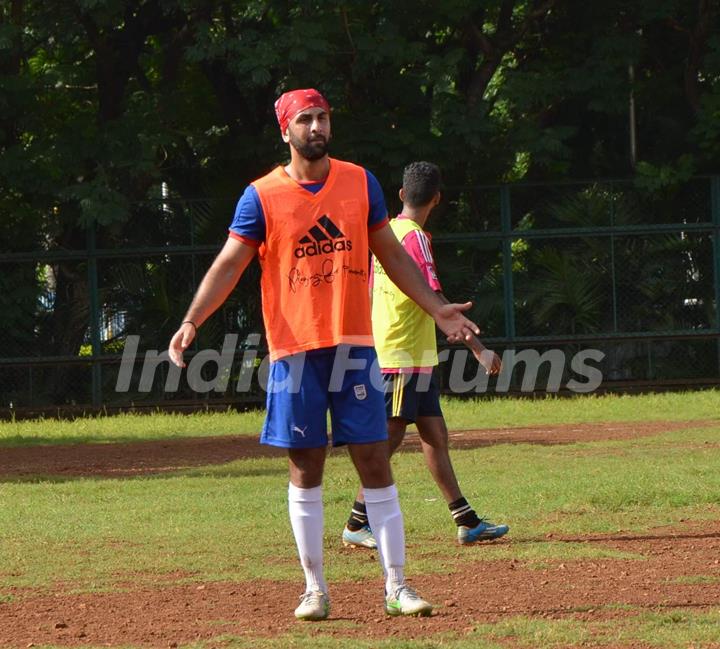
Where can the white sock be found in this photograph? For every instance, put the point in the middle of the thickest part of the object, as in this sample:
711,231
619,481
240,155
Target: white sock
306,517
386,522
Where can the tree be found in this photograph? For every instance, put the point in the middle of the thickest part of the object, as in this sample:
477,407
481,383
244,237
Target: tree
104,102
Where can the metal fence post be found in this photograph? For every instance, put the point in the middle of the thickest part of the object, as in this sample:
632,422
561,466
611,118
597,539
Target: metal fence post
612,260
94,318
191,210
715,210
508,293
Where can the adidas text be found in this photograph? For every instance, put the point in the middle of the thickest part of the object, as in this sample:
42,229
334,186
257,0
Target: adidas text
322,248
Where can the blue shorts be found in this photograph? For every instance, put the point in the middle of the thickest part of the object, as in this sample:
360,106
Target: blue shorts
302,387
409,396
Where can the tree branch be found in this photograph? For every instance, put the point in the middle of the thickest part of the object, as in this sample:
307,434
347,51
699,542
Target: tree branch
506,38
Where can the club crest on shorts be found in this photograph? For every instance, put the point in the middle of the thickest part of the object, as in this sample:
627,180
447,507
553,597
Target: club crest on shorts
360,392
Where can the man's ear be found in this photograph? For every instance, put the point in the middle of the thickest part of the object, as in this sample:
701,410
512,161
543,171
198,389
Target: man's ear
286,136
401,194
437,199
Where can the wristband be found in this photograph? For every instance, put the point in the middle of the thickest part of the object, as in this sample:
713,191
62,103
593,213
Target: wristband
189,322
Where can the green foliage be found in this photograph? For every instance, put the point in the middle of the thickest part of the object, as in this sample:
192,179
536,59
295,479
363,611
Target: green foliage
101,101
653,178
562,294
588,283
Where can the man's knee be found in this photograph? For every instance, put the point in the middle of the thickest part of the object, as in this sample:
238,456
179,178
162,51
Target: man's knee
306,466
433,431
372,462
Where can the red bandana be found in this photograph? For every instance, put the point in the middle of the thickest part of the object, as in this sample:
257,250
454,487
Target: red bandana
291,103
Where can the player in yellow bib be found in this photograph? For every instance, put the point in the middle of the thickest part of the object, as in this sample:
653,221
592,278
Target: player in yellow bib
404,338
407,351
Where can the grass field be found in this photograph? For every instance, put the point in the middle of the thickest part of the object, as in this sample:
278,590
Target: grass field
459,413
98,535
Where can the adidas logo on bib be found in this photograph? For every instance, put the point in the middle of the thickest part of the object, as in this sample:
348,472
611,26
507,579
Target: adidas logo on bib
323,240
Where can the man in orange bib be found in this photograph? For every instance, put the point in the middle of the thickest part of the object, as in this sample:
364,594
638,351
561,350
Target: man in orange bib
312,224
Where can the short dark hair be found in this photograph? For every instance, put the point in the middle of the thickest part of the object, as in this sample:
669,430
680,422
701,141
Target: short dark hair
421,181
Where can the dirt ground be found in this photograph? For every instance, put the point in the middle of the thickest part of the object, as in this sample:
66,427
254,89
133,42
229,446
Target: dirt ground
144,458
168,615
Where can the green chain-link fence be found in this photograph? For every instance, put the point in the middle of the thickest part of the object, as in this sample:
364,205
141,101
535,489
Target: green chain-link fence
606,266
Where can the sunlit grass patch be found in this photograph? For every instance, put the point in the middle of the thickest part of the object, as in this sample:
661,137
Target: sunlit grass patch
461,413
695,579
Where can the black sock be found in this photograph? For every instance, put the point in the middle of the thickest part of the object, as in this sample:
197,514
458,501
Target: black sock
463,513
358,517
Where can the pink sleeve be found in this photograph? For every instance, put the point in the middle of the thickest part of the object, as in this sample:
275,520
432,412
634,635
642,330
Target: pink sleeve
417,245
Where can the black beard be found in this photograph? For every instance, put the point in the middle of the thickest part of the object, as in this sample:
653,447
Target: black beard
310,150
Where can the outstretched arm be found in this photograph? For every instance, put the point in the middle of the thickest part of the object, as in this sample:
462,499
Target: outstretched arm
401,269
486,357
214,289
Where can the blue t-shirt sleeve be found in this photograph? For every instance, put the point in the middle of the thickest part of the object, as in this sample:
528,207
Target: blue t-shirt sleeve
249,219
378,209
